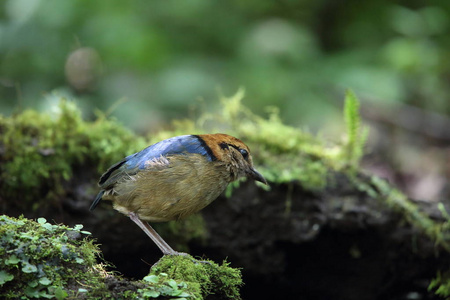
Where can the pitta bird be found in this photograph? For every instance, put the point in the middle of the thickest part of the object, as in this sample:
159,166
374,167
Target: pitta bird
175,178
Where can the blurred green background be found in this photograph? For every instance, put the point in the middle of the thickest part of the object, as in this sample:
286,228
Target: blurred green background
163,56
148,62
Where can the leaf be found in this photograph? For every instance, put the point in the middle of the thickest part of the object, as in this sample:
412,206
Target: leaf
444,213
29,268
45,281
48,226
151,278
26,235
31,292
33,283
12,260
184,295
42,221
79,260
60,294
78,227
150,293
5,277
173,284
44,294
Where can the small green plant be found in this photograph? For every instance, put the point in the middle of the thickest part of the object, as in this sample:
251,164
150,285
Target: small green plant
43,260
441,284
161,285
357,134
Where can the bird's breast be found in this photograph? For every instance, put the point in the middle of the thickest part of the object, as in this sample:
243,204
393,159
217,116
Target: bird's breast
172,188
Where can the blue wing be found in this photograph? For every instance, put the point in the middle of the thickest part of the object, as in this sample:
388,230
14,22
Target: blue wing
132,164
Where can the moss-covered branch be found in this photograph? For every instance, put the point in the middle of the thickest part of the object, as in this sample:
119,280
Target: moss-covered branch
42,260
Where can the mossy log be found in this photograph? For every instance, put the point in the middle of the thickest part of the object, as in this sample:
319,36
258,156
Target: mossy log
42,260
323,230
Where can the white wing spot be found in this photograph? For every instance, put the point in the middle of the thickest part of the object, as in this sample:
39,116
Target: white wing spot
159,162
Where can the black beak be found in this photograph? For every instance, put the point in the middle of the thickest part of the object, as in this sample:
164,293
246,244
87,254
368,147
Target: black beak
257,176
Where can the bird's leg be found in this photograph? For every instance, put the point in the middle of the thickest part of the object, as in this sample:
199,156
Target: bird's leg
157,239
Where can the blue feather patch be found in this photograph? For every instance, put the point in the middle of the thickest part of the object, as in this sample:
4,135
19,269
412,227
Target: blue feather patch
177,145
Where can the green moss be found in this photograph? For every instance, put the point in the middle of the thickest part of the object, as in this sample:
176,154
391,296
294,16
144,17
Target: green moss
356,134
41,260
441,284
380,190
40,151
202,278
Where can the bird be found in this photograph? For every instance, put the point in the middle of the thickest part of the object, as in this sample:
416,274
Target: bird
175,178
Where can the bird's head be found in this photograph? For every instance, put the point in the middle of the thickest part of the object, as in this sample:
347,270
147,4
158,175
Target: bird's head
235,154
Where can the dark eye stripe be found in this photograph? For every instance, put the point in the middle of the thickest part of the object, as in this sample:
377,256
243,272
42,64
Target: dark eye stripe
223,145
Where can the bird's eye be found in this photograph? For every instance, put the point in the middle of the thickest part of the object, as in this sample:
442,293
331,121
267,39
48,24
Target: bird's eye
244,153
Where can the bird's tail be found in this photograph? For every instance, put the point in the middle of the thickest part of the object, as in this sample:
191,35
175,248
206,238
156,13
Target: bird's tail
97,200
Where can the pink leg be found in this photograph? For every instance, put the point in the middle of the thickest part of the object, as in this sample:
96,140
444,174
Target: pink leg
157,239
